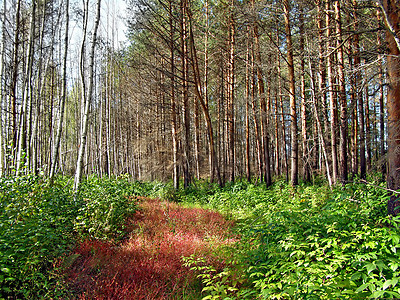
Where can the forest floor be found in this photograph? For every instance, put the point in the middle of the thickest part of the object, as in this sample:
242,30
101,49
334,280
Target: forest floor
148,263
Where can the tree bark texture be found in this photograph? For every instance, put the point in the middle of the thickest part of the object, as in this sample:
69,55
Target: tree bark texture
85,120
391,8
292,97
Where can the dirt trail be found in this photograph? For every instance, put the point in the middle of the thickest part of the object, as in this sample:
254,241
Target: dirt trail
148,264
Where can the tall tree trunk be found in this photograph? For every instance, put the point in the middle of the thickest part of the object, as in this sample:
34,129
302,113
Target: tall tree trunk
322,95
85,120
257,129
363,165
263,106
26,92
2,92
57,141
185,95
357,92
305,149
318,124
255,116
381,107
278,125
332,97
247,99
390,10
281,111
14,77
342,96
199,94
292,97
33,144
174,123
197,138
231,96
368,151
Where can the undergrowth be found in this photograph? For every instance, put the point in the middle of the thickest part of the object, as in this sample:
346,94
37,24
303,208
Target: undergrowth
307,242
40,222
148,265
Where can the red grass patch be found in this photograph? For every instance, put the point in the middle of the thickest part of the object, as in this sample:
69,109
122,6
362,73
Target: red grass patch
148,265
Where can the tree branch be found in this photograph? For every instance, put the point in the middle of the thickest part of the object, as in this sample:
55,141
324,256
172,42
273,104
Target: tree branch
388,24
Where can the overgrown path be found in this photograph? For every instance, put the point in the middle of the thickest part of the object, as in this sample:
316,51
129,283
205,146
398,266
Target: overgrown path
148,264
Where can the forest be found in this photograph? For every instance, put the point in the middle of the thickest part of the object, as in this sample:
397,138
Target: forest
273,124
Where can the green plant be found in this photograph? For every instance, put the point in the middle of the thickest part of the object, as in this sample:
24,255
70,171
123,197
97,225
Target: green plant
40,222
341,249
217,284
106,206
307,242
35,228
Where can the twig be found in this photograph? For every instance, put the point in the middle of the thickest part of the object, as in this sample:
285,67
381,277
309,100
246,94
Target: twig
379,187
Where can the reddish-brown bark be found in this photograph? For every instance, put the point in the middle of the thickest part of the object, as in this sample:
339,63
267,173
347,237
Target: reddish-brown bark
393,103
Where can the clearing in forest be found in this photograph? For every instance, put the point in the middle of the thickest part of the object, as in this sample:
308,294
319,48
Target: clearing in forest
148,263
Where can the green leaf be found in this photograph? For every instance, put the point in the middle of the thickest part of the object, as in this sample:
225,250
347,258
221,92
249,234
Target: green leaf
372,287
363,287
355,276
377,294
395,281
394,294
370,267
386,284
10,279
393,266
207,288
381,265
395,239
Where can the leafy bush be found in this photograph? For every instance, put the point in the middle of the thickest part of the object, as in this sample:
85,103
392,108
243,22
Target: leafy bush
308,242
338,248
39,223
220,280
35,228
105,207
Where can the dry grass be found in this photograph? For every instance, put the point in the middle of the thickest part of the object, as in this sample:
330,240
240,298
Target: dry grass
148,264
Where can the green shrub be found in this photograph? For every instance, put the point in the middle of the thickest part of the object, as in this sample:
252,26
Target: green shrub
217,284
39,223
105,207
307,242
35,228
339,248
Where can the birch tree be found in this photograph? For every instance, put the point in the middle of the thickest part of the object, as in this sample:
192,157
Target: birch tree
56,147
87,101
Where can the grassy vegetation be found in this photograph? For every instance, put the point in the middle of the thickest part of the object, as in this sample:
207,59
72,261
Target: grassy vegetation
148,264
308,242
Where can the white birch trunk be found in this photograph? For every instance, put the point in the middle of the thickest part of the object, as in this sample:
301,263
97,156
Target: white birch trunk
26,91
79,163
56,147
